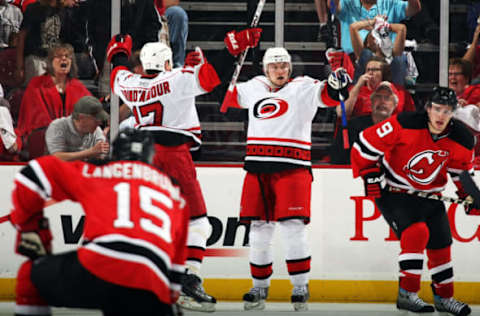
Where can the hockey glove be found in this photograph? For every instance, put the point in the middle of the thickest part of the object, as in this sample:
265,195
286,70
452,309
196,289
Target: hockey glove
337,83
120,43
335,58
372,179
237,42
195,58
34,238
470,208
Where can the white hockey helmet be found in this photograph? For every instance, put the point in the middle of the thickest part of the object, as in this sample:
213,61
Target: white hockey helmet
276,55
154,55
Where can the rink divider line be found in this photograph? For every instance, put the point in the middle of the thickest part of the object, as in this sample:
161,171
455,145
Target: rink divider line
342,291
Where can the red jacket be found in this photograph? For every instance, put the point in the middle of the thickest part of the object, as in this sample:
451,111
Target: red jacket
42,103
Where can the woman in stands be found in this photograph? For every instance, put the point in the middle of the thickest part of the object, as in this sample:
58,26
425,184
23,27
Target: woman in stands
49,96
376,71
378,43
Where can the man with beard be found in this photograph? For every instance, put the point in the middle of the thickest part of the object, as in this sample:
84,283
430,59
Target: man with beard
384,102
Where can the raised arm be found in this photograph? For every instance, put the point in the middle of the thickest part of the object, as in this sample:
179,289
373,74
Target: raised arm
357,41
399,44
413,7
470,53
352,99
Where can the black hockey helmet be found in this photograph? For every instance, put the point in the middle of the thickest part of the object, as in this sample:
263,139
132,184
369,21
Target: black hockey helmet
133,144
445,96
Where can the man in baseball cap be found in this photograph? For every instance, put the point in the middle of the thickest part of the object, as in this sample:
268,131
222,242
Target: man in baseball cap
79,136
91,106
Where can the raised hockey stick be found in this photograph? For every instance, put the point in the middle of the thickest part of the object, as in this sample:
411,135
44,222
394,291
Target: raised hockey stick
241,60
335,43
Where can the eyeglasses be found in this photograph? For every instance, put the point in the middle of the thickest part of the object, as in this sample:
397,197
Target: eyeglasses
373,69
62,55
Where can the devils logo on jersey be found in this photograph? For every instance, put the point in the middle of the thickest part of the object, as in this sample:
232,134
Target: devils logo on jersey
269,108
426,165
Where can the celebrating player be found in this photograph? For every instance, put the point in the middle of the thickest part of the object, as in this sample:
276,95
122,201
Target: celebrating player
277,186
413,152
133,251
163,101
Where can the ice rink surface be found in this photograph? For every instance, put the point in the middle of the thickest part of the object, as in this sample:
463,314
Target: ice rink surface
272,308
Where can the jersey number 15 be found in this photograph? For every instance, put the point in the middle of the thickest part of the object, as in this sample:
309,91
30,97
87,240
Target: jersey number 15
146,196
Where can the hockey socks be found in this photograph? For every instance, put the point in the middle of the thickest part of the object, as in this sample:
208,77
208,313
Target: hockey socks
28,300
412,242
440,266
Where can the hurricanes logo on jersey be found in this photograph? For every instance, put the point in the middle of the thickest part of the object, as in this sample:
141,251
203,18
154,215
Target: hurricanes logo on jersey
269,108
425,166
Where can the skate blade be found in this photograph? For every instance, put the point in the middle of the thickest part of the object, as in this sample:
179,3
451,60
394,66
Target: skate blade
190,304
257,306
300,307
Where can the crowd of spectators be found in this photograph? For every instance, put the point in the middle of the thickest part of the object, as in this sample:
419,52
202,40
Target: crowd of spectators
48,48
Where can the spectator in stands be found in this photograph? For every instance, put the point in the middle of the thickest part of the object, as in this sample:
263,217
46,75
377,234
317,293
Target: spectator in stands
79,136
10,19
52,95
40,30
177,20
378,43
359,102
384,102
23,4
74,32
473,56
321,8
10,144
459,77
350,11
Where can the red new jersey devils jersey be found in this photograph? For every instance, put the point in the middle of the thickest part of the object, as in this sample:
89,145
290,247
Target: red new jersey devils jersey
135,222
410,155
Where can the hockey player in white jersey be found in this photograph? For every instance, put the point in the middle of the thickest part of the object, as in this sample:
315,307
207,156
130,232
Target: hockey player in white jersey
162,101
277,186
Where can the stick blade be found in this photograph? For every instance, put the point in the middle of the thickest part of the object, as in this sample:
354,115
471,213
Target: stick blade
470,186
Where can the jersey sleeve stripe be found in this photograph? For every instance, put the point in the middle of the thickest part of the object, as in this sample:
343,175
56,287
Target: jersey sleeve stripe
361,149
370,147
42,177
34,186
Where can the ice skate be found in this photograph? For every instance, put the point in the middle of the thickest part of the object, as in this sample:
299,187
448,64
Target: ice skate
300,296
450,305
255,298
193,296
411,302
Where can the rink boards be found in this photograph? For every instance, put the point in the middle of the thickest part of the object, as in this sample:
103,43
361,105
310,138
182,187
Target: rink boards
354,254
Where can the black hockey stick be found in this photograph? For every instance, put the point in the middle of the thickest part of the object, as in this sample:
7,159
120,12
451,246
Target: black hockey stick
470,187
334,42
243,55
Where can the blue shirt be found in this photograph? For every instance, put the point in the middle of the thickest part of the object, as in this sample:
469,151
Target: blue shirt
352,11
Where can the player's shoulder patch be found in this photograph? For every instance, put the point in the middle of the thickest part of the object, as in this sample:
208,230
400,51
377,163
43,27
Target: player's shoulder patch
412,120
461,134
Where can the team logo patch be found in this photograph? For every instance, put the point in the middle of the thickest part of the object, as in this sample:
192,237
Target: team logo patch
269,108
426,165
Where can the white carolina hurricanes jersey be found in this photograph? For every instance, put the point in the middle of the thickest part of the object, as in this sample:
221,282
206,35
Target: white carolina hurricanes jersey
162,102
280,122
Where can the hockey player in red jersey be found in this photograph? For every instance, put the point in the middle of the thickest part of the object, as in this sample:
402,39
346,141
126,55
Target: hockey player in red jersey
277,186
134,244
162,101
413,152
